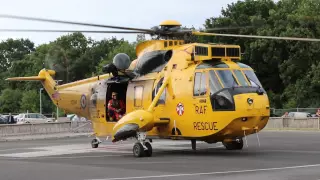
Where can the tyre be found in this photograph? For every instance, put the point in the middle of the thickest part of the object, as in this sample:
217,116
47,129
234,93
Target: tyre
94,143
239,145
138,150
148,152
234,145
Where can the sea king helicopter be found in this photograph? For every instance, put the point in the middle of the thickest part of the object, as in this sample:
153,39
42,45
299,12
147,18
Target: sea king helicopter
174,89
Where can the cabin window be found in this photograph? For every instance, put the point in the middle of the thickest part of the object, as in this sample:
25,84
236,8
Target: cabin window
227,78
214,83
162,98
200,85
241,78
32,116
138,93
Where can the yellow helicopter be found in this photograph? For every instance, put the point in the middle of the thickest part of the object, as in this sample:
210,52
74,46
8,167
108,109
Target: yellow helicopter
175,89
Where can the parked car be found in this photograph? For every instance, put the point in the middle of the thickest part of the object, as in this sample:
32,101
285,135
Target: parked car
299,114
3,120
74,118
10,120
33,118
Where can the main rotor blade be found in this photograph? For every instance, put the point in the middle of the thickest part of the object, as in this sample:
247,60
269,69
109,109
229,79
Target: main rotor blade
61,31
227,28
71,22
253,36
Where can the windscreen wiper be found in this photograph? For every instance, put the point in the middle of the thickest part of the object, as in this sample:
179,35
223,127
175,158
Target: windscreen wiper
259,91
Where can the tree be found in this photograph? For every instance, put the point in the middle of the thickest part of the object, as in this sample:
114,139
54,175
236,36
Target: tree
124,47
10,100
13,50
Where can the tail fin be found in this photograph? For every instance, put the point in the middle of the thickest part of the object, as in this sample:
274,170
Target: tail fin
44,76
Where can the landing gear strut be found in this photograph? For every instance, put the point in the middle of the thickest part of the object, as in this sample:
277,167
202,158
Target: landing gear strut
142,148
237,144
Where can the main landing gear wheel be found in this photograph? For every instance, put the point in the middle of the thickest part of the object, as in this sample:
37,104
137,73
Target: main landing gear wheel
140,151
234,145
142,148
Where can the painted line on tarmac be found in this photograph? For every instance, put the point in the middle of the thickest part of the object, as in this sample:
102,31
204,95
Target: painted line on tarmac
74,157
211,173
291,151
98,156
117,154
13,149
56,150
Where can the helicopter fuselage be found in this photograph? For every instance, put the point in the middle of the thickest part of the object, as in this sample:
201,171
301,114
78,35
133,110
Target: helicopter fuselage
210,100
207,95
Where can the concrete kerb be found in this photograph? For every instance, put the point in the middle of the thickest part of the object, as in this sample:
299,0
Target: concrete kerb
292,129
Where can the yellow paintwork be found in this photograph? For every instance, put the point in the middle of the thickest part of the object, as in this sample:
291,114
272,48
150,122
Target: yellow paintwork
162,120
170,23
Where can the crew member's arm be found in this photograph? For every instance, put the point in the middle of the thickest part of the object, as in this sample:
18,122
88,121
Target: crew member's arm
110,107
122,106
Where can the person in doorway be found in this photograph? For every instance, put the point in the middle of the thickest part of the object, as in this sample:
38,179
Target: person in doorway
116,108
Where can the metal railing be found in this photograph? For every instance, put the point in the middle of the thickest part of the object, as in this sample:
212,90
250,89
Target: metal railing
44,128
280,112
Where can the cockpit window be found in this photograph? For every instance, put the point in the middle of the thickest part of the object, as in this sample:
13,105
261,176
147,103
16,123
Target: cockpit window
214,83
241,78
241,65
227,78
252,78
200,84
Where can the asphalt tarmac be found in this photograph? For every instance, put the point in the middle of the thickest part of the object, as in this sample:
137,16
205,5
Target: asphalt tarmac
281,155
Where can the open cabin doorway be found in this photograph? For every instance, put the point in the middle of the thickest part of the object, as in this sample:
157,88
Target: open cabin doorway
120,87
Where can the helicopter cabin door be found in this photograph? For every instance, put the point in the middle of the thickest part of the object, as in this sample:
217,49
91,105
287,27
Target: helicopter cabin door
138,94
201,100
159,112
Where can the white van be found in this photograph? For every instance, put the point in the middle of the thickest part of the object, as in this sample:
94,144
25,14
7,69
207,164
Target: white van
33,118
299,114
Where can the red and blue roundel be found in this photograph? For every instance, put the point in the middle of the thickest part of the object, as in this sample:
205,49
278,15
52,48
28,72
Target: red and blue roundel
180,109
